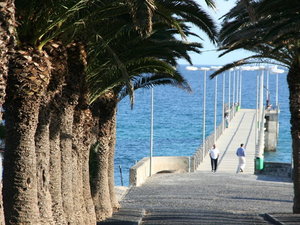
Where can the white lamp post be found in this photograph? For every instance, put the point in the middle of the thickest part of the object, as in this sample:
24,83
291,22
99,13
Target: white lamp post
151,130
229,93
216,97
233,90
205,69
276,71
261,94
223,102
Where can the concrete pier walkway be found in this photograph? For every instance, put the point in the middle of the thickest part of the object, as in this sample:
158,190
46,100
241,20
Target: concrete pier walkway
203,197
241,130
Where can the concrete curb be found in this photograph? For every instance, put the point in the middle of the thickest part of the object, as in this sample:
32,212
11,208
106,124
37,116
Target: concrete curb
125,216
272,219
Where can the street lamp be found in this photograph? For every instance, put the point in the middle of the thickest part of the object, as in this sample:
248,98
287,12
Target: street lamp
276,71
205,69
215,68
151,130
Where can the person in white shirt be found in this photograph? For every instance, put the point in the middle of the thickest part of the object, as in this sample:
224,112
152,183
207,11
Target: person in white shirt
214,154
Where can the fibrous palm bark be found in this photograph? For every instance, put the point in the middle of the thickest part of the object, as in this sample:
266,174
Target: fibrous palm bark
7,43
111,161
70,97
58,60
106,107
81,145
55,164
27,82
293,79
42,146
88,137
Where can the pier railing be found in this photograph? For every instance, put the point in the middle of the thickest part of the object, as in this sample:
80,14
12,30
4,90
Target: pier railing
202,151
141,170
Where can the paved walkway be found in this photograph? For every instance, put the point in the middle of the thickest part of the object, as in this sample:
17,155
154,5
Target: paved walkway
210,198
205,198
241,130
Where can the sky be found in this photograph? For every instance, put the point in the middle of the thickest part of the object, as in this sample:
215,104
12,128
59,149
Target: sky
209,55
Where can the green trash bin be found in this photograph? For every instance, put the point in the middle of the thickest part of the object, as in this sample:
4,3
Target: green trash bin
259,163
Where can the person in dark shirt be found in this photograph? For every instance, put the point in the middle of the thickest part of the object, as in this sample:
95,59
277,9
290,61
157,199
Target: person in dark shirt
240,152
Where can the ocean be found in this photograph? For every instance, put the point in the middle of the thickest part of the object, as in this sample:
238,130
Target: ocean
178,119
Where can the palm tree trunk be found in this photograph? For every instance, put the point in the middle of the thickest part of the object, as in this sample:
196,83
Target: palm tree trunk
66,164
82,142
7,43
55,167
88,138
79,204
70,97
58,55
293,78
27,82
100,185
58,60
43,160
111,161
2,221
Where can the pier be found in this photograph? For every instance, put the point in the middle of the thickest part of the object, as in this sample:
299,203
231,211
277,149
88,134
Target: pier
184,190
240,130
202,197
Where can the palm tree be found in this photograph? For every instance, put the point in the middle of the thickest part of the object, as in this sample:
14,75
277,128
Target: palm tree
7,37
28,82
36,86
155,54
7,43
273,36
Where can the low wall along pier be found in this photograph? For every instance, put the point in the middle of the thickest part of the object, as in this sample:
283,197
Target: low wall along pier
161,164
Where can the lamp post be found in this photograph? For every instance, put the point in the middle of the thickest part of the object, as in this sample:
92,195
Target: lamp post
233,90
261,94
229,92
205,69
223,102
257,119
237,85
276,71
215,101
151,130
241,78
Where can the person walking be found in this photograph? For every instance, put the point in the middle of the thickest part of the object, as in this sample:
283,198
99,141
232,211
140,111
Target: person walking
240,152
214,154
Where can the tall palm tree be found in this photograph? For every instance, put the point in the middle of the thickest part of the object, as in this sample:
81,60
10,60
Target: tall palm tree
7,43
127,53
7,37
273,36
28,80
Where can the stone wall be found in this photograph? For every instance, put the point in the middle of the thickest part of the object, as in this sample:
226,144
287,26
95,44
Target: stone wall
276,169
161,164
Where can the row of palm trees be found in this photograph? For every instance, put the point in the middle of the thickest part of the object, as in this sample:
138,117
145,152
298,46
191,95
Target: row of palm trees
270,30
65,64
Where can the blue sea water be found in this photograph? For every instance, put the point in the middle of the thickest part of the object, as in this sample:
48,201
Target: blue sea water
178,119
